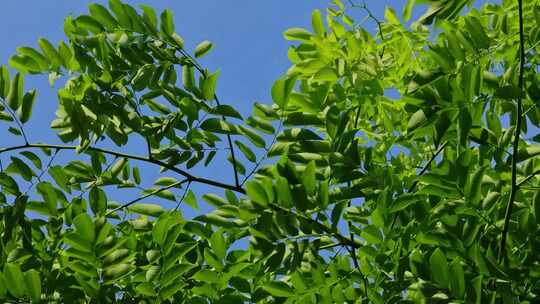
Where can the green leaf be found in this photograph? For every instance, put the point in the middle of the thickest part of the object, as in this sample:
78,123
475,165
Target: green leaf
49,195
165,181
4,81
218,244
167,23
136,175
116,271
214,200
14,279
473,188
208,86
50,52
407,10
42,62
33,158
98,200
246,151
191,200
141,80
457,278
309,179
403,201
102,15
203,48
528,152
188,77
298,34
9,184
206,276
150,17
32,279
279,289
439,268
118,166
147,209
391,16
226,110
256,192
24,64
85,227
89,23
15,96
20,167
25,111
253,137
416,120
217,125
282,89
317,23
60,177
117,7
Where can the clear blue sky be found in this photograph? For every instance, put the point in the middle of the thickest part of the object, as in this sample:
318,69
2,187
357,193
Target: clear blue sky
249,48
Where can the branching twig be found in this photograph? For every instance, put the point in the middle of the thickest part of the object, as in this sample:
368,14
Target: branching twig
519,118
370,15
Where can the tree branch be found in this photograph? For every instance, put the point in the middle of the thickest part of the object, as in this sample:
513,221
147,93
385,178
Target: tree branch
515,187
187,175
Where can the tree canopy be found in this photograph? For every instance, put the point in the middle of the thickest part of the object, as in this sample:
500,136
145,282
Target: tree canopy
395,166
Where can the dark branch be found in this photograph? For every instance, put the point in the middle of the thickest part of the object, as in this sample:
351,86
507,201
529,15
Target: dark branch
515,187
186,174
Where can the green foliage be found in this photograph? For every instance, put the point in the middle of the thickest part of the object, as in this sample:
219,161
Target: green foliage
425,194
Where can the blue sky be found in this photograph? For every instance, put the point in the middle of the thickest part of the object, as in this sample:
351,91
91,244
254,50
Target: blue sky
249,50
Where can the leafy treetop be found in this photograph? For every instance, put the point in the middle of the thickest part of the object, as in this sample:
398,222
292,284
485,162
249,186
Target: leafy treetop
340,192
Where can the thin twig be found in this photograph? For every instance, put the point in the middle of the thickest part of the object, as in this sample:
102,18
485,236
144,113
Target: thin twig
370,15
352,251
45,169
16,119
183,196
515,188
229,140
528,178
147,196
265,156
